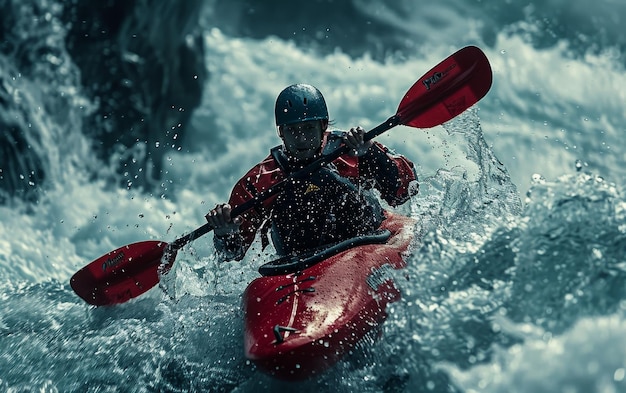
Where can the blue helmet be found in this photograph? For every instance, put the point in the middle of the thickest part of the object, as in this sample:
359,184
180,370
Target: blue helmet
300,102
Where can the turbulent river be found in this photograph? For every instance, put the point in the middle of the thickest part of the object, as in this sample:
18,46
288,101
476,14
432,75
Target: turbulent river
516,281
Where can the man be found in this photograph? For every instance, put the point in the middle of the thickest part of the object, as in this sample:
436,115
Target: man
334,204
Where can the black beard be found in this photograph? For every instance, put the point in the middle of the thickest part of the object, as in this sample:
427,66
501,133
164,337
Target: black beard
301,162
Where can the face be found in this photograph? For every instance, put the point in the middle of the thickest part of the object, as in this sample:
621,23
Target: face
303,140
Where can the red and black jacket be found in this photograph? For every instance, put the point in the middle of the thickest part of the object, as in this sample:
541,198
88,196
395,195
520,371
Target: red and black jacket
392,175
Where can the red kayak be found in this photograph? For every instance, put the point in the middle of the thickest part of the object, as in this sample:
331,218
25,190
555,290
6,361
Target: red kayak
300,323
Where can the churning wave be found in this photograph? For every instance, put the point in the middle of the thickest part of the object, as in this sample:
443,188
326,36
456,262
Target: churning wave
125,121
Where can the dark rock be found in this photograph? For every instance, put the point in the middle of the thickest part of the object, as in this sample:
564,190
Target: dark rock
142,62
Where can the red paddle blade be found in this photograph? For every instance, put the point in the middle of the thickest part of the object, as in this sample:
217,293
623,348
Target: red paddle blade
448,89
120,275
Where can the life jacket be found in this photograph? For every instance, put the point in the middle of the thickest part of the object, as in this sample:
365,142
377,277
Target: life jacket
322,209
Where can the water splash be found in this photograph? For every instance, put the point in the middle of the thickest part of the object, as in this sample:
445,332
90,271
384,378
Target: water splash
468,303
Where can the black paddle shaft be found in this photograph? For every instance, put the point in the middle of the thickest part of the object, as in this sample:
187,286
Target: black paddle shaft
278,187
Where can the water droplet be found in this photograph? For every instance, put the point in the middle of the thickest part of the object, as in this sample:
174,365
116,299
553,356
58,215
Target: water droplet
537,178
579,165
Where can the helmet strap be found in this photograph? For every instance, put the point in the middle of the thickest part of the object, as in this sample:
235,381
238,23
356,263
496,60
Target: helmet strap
324,125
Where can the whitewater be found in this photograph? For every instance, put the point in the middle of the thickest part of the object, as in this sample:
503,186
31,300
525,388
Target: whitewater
517,277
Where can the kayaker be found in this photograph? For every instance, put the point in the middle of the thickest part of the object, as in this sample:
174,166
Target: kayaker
335,203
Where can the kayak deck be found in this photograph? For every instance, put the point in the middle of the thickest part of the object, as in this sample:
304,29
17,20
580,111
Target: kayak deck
299,324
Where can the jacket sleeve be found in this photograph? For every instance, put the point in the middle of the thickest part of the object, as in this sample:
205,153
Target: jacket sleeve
393,175
234,247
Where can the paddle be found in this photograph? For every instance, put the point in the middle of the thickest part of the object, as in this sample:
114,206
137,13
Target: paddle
448,89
